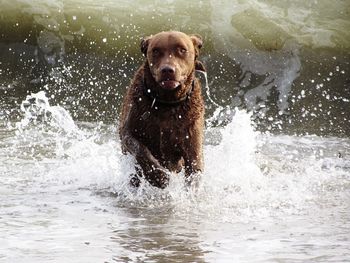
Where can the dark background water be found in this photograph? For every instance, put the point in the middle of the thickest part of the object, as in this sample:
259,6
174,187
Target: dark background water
84,55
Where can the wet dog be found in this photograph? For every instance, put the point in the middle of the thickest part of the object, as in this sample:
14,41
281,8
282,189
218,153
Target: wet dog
162,116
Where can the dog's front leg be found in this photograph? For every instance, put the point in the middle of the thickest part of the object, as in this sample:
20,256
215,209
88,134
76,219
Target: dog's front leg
193,172
153,171
194,164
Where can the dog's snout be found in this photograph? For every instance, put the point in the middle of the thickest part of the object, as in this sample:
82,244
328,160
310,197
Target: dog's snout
168,70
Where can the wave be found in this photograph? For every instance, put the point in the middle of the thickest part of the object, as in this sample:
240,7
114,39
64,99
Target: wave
287,63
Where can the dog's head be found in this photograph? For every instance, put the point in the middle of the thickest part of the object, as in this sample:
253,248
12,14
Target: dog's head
172,57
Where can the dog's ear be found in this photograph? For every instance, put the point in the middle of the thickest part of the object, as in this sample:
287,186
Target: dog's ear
197,43
200,66
144,44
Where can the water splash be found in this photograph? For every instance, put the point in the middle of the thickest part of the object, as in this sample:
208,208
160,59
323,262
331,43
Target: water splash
207,88
37,110
246,173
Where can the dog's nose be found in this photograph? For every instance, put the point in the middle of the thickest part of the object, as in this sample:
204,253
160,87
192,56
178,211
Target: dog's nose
168,70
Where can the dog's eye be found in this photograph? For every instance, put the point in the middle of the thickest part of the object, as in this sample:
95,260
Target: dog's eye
182,50
155,51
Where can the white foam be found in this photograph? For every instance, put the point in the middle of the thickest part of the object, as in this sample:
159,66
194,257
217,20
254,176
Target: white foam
246,173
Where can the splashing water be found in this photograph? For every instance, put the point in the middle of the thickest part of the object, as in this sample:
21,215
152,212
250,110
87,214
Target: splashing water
69,181
207,88
233,176
64,192
36,109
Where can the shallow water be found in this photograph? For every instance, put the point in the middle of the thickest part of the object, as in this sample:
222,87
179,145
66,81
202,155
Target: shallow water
65,197
276,186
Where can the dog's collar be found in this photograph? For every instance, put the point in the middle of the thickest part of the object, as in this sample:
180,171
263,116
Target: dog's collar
155,98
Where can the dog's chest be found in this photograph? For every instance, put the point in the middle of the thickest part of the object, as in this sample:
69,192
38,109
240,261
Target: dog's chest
173,125
170,128
172,136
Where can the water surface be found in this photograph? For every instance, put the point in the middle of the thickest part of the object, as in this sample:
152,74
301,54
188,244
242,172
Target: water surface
276,186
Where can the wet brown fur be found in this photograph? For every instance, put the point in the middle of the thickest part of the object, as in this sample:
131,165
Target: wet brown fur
168,136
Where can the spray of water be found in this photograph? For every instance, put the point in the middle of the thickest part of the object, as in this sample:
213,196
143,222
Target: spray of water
242,174
207,89
37,110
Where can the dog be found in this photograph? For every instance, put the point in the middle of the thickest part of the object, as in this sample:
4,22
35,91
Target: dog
162,116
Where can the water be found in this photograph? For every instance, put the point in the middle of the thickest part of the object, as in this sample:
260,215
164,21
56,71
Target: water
65,196
287,62
276,186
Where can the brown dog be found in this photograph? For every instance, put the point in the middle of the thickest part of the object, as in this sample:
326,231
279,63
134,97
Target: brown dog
162,118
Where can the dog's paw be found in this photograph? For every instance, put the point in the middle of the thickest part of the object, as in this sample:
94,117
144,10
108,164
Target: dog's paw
134,180
158,178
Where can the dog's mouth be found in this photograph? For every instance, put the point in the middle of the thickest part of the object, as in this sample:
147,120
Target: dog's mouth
169,84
